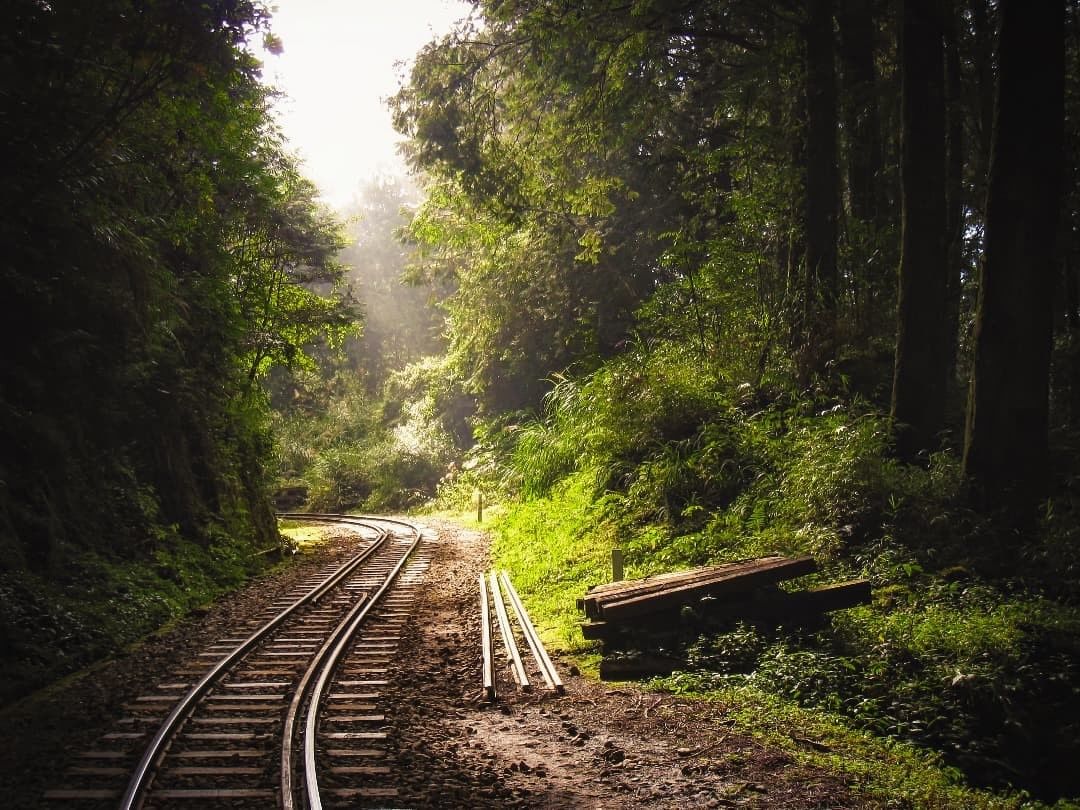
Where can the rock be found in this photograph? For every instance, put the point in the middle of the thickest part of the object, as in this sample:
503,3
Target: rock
614,755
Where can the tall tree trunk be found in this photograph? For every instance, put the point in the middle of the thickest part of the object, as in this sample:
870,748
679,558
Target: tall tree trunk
822,188
984,87
860,108
1005,451
920,375
859,112
1072,327
954,193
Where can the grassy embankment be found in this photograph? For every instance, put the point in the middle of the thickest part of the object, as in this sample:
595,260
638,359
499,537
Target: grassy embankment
963,671
97,605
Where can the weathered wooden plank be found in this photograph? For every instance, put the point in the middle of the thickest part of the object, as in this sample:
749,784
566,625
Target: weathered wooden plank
197,794
815,601
638,666
80,794
600,594
596,631
733,581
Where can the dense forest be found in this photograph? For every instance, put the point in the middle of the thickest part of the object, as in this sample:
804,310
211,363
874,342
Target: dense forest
736,278
162,253
697,280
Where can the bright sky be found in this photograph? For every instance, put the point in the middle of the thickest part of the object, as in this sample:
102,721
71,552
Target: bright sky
337,69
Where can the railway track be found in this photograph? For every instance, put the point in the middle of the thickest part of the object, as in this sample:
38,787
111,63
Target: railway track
285,714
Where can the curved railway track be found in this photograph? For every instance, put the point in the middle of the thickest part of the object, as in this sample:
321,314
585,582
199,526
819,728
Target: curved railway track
280,716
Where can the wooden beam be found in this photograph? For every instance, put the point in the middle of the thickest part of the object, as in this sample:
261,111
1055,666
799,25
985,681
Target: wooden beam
745,578
658,582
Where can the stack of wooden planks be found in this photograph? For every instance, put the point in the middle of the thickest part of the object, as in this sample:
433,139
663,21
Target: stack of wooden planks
647,612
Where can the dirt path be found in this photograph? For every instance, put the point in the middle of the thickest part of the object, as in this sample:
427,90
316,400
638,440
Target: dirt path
595,747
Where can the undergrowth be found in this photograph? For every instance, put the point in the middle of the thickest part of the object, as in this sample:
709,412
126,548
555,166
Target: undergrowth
348,449
98,604
971,648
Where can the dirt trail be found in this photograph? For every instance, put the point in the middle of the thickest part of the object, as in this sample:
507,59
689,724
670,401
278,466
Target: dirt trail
595,747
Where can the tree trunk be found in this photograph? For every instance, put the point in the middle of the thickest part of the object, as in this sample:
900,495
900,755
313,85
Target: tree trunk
1072,327
921,370
1005,451
860,109
954,195
822,187
984,87
863,159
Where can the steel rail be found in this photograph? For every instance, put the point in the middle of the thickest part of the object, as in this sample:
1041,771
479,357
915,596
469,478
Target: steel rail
547,669
143,773
486,652
516,666
349,629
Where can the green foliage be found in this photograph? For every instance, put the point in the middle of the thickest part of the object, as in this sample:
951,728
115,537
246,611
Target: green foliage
162,254
551,548
100,605
680,468
347,452
401,321
619,416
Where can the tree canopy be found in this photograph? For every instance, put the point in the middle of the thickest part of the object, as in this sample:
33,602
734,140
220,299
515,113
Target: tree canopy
158,240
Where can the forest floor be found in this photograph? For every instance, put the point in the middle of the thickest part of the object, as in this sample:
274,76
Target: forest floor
597,746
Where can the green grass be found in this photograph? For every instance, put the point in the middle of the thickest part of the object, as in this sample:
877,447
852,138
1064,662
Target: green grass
898,773
553,556
548,546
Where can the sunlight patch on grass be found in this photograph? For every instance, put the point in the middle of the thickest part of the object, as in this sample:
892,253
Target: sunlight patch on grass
553,556
301,537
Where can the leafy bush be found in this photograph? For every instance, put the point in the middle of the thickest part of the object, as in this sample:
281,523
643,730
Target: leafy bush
970,647
349,454
97,604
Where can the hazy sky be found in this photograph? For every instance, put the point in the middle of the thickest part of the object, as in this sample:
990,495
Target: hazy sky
337,68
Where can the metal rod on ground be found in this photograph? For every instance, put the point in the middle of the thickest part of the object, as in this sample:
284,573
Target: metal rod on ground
546,667
523,623
516,667
485,641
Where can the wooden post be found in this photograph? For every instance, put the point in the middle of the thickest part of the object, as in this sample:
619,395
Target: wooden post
479,506
616,565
